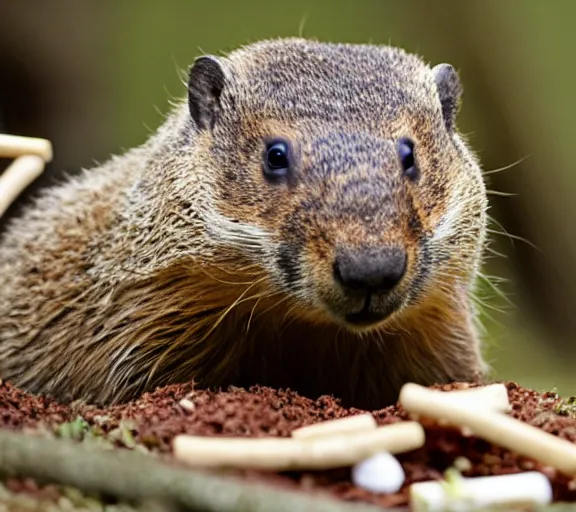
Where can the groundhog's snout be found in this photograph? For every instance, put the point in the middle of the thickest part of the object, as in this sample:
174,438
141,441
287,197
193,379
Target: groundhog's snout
372,270
368,273
355,208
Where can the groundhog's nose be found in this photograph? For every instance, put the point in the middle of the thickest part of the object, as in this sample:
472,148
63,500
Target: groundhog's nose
369,270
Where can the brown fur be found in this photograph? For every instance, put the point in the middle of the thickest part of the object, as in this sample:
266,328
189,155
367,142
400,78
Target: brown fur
178,260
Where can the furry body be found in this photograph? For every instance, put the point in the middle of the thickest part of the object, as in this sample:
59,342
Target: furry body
179,260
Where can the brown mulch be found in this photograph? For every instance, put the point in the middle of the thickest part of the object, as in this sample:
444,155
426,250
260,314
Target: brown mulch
155,418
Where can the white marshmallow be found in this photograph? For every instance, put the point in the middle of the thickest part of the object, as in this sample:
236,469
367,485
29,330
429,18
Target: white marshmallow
381,473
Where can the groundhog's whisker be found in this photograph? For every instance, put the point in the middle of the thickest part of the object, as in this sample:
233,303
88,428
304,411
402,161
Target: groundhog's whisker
494,253
446,275
252,314
512,237
486,305
241,299
504,232
265,297
499,193
230,283
276,304
489,280
506,167
290,315
238,301
494,278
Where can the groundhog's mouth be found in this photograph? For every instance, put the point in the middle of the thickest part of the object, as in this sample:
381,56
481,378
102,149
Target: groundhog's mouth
369,315
374,311
365,318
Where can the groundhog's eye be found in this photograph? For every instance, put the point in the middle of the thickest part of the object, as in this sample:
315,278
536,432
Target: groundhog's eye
276,159
406,154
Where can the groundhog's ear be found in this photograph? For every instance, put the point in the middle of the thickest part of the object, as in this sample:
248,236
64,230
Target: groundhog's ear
450,91
205,83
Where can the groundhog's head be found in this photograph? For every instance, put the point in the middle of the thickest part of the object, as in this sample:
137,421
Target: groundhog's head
338,169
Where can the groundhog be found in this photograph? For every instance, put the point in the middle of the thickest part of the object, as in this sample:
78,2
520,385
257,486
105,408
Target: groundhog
307,217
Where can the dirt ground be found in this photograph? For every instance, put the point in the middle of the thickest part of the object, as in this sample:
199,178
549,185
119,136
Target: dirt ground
150,423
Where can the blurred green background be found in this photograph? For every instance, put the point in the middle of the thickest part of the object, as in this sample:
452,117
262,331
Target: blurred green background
95,77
